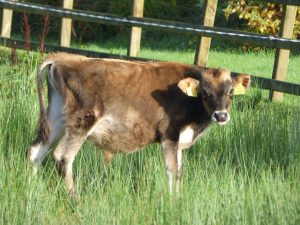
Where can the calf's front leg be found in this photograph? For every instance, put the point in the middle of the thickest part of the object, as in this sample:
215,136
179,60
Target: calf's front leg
179,169
173,164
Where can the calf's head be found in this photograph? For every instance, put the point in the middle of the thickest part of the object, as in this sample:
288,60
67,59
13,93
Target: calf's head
216,88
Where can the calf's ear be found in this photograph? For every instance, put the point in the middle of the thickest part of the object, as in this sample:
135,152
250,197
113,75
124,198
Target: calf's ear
240,84
189,86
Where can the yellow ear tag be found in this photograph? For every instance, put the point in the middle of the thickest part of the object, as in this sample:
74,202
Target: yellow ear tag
191,91
239,89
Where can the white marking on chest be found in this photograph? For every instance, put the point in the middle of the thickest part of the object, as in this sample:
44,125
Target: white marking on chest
186,137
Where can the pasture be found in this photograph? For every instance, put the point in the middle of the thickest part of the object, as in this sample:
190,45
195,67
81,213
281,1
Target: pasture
247,172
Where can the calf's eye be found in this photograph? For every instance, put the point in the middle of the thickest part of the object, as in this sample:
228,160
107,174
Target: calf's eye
205,94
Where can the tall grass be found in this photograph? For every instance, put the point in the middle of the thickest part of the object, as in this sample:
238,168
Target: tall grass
246,172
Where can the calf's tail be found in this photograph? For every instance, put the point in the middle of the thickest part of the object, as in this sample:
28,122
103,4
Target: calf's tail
43,128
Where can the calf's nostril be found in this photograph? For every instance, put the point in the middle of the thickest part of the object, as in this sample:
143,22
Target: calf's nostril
221,116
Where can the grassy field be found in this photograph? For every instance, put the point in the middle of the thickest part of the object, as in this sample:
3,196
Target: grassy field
247,172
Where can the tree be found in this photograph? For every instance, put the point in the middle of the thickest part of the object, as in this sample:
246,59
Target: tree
263,18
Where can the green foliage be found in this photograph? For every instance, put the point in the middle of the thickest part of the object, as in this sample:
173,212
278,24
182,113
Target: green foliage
263,18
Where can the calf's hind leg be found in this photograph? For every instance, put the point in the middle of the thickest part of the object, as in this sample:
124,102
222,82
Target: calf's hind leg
65,154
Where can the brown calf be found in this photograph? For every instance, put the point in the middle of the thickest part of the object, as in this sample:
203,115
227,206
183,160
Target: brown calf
122,106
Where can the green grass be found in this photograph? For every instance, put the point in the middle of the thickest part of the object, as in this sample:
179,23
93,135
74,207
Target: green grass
247,172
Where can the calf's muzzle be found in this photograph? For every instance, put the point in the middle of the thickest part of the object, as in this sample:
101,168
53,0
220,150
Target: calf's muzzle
220,117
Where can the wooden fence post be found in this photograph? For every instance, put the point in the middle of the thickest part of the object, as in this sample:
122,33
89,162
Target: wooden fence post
66,26
6,23
137,9
282,55
202,51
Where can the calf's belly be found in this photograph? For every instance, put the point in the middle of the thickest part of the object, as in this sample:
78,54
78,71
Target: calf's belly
120,136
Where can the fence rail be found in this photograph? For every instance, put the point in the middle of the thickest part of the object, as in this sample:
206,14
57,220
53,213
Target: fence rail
261,82
164,25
